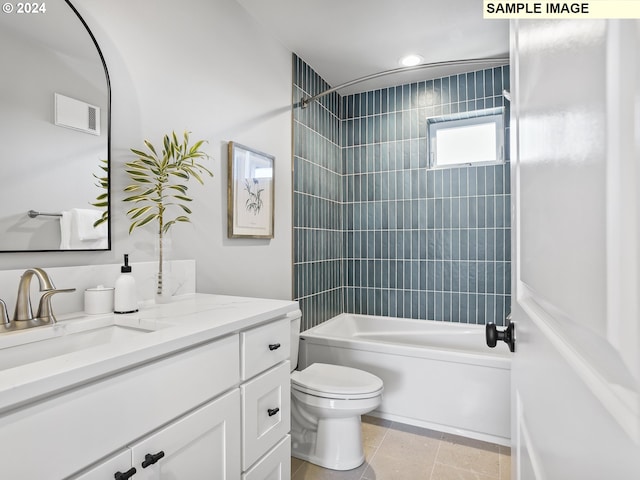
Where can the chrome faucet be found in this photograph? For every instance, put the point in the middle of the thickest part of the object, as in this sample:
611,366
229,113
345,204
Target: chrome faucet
23,311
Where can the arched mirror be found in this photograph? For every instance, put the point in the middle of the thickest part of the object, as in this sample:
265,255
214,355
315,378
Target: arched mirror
54,131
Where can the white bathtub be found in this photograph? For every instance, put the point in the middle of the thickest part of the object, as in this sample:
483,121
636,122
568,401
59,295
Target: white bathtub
437,375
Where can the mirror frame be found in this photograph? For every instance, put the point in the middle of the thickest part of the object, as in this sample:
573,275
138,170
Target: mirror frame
108,115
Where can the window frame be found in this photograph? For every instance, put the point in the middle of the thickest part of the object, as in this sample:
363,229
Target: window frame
477,117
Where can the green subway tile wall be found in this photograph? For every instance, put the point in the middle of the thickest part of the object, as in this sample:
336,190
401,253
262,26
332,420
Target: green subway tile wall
376,231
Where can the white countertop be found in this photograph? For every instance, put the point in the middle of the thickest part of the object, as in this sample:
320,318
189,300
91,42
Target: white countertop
186,321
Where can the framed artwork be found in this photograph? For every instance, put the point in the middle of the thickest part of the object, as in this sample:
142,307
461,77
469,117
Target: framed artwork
250,193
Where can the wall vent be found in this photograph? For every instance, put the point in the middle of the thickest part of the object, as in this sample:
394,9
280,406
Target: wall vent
76,114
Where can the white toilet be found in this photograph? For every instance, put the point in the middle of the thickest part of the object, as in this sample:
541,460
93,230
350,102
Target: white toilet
326,404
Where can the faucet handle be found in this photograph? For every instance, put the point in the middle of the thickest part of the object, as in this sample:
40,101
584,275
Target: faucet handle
4,315
45,311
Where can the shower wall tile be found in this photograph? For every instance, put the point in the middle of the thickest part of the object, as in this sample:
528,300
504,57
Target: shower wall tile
423,243
375,231
317,199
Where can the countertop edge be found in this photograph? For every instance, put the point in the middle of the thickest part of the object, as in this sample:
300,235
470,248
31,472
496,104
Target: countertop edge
27,384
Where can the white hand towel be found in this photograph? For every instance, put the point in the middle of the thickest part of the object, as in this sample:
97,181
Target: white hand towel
84,220
65,231
77,228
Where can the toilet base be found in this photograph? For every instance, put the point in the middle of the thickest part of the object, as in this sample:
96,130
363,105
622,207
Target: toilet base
335,444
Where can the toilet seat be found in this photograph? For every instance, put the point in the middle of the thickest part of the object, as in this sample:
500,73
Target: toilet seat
336,382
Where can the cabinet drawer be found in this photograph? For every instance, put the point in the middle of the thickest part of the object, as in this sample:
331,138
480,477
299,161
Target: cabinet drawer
265,346
275,465
266,412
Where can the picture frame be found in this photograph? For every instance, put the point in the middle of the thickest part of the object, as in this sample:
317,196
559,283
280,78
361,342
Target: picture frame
250,193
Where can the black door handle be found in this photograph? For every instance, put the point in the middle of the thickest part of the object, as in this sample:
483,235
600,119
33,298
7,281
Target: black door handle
274,346
508,335
124,476
150,459
272,411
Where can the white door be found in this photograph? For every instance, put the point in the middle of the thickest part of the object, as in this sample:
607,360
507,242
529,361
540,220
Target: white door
575,119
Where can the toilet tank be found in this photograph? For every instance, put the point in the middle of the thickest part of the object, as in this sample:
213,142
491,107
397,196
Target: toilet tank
295,337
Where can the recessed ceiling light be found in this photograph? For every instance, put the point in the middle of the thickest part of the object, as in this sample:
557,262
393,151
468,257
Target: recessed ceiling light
411,60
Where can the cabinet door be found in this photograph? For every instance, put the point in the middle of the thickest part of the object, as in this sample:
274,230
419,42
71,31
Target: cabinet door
120,462
204,444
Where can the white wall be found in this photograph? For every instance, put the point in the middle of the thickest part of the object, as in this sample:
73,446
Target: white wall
204,66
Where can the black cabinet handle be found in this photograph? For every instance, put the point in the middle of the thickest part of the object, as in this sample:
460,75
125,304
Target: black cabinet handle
272,411
274,346
124,476
150,459
508,335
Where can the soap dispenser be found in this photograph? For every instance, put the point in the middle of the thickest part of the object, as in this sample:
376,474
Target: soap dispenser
125,297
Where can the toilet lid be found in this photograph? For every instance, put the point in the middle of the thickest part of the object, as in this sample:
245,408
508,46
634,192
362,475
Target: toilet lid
327,380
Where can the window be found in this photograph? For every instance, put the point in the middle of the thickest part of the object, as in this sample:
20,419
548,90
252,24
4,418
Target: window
464,139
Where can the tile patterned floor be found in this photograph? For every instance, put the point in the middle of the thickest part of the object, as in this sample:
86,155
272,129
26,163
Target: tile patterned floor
396,451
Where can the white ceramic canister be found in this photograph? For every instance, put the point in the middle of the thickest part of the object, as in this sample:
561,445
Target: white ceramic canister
98,300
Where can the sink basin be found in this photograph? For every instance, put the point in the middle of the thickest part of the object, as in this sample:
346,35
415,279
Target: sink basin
40,343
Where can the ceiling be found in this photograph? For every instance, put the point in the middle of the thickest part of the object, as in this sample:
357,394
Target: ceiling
347,39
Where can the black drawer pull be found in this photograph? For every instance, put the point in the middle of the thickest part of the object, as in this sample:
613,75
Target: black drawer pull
274,346
272,411
150,459
124,476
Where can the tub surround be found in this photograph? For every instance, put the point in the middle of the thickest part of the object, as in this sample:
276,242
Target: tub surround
193,330
378,232
317,199
422,242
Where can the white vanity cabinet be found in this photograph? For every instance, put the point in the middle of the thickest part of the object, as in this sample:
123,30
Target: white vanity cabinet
214,404
83,425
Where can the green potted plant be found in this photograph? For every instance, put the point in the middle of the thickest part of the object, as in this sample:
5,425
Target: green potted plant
159,188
